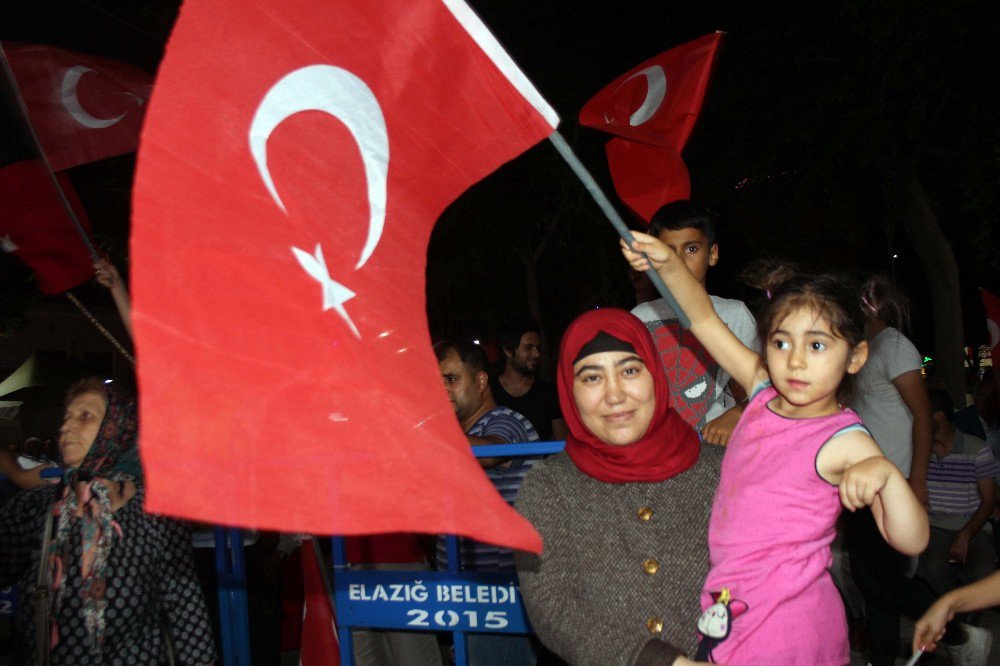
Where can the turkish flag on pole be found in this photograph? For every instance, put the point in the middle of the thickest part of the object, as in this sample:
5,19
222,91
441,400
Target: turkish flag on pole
285,195
652,108
35,227
84,108
647,177
320,644
658,101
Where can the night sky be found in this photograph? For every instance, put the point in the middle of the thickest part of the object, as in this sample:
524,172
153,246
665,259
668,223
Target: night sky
809,108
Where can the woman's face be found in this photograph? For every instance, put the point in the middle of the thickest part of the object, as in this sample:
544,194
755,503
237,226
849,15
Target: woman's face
614,394
81,423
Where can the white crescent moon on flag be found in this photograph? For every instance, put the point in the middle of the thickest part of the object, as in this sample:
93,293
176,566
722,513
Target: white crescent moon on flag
344,96
994,329
69,99
656,90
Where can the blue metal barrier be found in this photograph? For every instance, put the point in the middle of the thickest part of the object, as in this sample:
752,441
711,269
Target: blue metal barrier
470,602
8,595
231,587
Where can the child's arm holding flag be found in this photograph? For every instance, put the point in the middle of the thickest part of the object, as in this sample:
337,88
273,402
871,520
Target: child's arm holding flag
742,363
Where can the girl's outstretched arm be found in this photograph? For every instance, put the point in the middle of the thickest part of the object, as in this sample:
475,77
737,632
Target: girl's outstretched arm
742,363
854,462
930,628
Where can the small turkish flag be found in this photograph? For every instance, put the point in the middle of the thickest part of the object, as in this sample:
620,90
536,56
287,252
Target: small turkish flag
647,177
992,305
285,195
84,108
319,643
36,228
658,101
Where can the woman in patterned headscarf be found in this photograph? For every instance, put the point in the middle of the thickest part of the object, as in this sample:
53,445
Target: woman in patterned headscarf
623,512
119,584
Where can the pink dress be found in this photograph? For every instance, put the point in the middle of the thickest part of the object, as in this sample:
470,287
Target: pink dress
769,541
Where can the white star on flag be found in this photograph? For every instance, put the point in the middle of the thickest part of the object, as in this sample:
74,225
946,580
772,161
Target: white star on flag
334,293
7,245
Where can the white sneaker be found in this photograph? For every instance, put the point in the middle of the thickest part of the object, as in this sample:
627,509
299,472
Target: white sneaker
975,651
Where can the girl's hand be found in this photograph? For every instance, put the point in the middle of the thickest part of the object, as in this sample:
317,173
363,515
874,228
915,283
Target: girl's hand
646,252
863,480
930,628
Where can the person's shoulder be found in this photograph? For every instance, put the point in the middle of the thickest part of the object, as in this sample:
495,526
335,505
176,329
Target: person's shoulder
549,474
711,455
893,340
737,317
900,353
969,445
501,416
499,392
32,500
653,311
731,309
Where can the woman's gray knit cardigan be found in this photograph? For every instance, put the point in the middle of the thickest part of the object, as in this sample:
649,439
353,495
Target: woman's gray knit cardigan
619,579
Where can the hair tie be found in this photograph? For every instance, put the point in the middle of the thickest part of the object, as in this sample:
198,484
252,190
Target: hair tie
868,305
768,294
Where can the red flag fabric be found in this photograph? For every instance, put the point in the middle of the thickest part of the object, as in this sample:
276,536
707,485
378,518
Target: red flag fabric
992,305
320,645
284,200
647,177
36,228
84,108
658,101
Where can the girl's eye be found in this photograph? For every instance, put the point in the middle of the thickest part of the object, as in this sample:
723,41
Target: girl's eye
817,346
780,344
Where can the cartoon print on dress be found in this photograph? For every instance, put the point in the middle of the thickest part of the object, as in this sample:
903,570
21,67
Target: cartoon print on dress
690,370
716,622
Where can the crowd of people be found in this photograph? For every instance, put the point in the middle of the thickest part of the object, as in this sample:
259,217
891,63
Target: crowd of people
691,517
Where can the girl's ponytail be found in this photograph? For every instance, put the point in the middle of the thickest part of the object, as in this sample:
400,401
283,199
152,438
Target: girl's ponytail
881,300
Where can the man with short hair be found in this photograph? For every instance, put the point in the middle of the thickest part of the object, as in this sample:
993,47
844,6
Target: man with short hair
519,387
982,418
463,368
960,485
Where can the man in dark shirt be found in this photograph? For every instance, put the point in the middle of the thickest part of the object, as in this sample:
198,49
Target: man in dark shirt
519,387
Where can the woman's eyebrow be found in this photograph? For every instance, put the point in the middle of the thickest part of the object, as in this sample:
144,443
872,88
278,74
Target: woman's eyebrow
587,367
629,359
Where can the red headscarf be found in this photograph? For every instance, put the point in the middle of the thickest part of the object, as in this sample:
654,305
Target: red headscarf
669,446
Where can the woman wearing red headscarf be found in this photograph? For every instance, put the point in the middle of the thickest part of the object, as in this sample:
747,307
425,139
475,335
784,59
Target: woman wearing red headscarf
623,512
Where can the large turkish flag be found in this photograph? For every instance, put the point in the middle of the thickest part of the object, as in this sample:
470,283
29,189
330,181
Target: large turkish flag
84,108
295,158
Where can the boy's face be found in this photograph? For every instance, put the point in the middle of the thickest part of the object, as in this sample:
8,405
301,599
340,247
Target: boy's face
692,246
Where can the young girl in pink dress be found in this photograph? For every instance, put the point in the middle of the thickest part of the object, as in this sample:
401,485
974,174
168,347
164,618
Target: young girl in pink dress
795,457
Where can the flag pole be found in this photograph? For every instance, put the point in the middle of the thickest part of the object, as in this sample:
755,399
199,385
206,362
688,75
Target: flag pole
45,159
616,220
